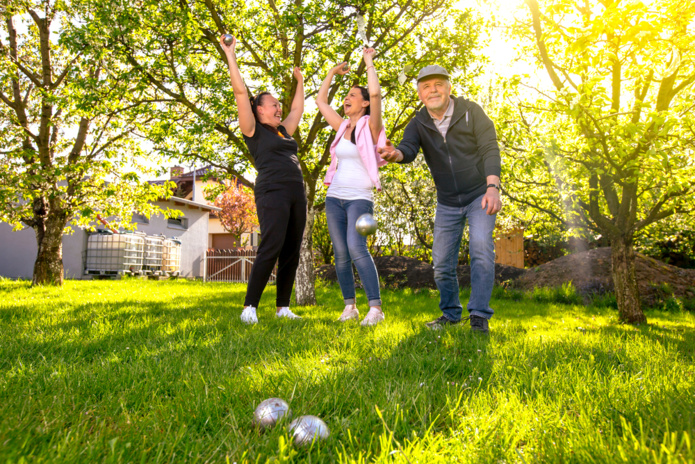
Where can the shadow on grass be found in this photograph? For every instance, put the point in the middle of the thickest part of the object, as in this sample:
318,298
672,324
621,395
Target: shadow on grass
418,385
200,370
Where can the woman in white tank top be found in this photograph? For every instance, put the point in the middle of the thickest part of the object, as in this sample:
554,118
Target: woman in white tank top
351,179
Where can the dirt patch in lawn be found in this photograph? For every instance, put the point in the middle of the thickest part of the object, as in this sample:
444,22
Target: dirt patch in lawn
589,271
399,271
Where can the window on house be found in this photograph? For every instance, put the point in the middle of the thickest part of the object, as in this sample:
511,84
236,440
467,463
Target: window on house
177,223
140,218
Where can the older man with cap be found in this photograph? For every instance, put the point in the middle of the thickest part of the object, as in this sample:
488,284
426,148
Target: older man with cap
460,147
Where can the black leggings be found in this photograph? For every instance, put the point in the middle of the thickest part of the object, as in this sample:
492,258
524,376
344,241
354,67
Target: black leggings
282,217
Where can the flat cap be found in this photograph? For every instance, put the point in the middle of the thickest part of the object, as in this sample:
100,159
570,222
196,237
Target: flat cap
432,70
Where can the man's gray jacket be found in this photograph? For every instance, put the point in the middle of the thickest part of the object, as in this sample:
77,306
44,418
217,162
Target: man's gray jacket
461,163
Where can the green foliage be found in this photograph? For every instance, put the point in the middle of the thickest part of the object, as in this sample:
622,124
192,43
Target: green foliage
173,46
68,128
666,300
503,292
322,239
405,210
608,148
144,371
565,294
675,248
604,300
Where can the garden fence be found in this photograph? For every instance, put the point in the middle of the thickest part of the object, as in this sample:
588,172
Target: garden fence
232,265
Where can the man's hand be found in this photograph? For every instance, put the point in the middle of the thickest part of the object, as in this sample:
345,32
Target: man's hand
390,153
492,201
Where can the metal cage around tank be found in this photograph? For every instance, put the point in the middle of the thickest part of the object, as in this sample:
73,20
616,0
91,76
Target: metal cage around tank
114,254
171,256
154,250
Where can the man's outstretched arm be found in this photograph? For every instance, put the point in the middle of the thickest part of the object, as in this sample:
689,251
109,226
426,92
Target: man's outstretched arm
408,148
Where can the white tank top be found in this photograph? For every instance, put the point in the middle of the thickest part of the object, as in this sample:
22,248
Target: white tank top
351,180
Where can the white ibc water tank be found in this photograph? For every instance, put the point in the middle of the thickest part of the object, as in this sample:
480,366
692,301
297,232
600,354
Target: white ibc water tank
154,250
109,253
171,257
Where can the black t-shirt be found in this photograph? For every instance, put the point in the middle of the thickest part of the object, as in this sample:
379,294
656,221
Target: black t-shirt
275,157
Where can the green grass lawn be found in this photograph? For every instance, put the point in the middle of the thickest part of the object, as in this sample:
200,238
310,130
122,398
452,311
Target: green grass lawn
149,372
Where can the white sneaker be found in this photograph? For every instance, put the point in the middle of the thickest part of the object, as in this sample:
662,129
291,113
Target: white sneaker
350,312
373,317
285,312
248,315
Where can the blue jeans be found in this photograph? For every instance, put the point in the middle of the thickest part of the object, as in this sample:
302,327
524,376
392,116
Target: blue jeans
350,247
448,230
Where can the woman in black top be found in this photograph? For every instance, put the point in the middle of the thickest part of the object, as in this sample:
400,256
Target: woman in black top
280,198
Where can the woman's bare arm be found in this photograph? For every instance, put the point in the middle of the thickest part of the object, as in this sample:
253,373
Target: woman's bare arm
247,122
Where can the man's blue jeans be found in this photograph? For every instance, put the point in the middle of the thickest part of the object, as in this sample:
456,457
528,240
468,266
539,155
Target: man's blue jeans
350,247
448,231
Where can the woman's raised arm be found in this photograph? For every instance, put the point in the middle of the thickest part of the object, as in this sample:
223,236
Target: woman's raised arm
293,118
329,114
375,121
247,122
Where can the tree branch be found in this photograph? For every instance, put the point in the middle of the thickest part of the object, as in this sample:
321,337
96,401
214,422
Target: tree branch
594,209
655,214
547,62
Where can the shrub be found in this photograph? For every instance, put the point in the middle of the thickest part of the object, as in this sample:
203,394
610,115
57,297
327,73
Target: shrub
603,300
507,293
566,294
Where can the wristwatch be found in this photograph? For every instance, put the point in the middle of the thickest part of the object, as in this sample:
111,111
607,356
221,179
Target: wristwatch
493,185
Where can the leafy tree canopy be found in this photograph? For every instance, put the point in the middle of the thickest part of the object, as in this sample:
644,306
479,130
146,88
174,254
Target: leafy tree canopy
67,129
608,145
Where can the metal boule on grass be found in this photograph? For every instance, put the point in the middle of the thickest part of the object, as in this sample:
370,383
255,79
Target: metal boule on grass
270,411
228,39
366,224
306,429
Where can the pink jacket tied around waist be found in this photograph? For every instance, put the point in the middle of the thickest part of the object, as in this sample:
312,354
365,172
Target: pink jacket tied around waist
365,146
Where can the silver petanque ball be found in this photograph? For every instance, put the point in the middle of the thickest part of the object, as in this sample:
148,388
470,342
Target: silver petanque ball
306,429
366,224
270,411
228,39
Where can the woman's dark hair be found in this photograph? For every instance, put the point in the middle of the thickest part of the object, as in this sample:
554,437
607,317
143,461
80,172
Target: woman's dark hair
257,101
365,96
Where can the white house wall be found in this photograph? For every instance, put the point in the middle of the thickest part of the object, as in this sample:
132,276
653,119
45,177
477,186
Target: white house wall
18,249
193,240
18,253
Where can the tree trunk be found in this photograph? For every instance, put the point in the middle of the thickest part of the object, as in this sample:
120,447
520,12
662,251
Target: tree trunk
623,272
305,290
48,268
